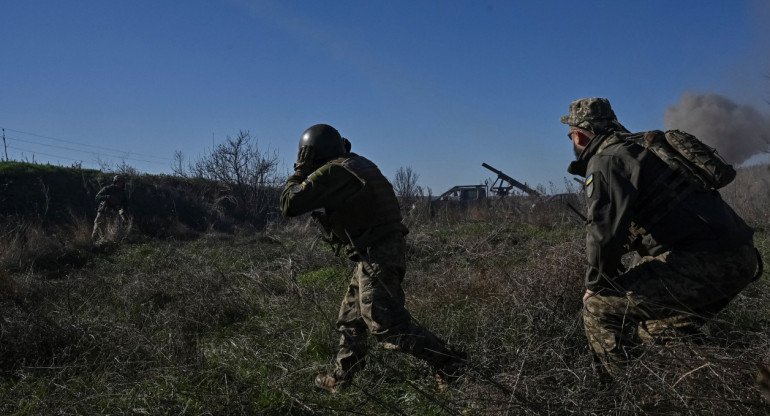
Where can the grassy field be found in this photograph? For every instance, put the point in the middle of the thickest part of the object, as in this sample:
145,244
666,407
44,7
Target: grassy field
240,324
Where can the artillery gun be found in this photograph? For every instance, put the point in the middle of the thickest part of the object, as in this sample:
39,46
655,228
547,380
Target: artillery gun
500,188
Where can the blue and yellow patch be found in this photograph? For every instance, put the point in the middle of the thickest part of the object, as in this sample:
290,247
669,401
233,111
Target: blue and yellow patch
590,185
300,187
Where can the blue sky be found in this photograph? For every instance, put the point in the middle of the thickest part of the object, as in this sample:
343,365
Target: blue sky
440,86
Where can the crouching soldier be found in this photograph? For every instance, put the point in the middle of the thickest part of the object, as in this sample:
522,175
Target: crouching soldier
695,253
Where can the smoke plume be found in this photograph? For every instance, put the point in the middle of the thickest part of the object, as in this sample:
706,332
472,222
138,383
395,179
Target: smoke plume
736,131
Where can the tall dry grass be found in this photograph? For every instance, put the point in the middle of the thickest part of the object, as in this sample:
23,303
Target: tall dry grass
239,324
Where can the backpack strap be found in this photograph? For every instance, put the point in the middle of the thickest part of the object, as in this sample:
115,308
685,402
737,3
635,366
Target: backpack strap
674,185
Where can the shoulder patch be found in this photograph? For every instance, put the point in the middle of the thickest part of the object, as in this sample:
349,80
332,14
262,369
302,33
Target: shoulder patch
590,185
298,188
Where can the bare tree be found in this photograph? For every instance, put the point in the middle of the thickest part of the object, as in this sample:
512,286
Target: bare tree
177,164
249,175
126,169
405,186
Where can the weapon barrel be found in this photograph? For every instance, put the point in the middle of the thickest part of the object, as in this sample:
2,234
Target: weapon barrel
510,180
491,168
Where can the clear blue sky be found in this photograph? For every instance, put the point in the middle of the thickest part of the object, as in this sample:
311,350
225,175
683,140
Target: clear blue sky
440,86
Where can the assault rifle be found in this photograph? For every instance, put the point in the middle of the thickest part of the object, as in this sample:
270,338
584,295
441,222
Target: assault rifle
502,178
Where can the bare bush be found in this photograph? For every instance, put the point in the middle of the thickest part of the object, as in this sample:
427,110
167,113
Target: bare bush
249,175
406,188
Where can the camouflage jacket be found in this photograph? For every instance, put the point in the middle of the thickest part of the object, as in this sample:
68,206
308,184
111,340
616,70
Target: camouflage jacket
358,201
621,180
112,196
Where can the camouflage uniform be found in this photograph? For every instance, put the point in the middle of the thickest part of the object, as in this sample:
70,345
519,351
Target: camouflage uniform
695,257
362,213
112,199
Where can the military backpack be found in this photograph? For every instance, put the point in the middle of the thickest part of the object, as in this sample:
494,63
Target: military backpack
693,166
699,163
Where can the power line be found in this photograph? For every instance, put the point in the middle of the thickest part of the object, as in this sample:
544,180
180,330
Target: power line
57,157
86,151
83,144
44,154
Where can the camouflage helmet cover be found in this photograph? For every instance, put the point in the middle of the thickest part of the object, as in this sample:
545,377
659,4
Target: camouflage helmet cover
593,114
326,141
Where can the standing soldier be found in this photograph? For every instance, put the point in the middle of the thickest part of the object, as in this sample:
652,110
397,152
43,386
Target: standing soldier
695,253
112,199
361,212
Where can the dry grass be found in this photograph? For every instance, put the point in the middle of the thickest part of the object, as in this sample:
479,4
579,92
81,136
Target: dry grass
240,324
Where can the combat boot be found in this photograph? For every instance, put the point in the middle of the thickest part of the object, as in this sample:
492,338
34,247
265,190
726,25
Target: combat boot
451,371
331,382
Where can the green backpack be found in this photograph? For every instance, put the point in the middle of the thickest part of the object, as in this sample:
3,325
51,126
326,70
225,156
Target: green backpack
694,166
699,163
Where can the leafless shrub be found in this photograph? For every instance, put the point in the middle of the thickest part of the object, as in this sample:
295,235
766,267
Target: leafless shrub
28,244
248,174
406,188
178,164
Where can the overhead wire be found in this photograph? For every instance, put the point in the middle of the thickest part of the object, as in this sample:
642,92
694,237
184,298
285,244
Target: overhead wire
34,152
126,157
93,150
81,144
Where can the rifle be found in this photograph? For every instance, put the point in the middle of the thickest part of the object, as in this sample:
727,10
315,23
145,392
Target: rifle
328,235
503,190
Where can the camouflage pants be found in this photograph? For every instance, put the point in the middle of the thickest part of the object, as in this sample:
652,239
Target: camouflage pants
103,217
663,296
374,303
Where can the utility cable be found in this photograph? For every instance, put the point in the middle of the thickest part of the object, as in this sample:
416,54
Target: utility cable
82,144
85,151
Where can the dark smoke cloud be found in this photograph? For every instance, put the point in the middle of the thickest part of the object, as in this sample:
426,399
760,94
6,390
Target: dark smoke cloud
736,131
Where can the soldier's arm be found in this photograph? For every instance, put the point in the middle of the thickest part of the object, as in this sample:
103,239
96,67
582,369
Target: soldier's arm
103,195
329,186
609,218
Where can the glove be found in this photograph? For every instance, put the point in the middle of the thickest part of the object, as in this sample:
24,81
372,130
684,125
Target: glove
304,166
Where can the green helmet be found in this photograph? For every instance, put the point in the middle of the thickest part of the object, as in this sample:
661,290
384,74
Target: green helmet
326,141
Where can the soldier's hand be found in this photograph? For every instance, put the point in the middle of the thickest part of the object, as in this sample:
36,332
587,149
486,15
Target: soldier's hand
587,295
304,165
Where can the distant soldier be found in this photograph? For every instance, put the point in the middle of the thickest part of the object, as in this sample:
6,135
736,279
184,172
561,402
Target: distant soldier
112,200
361,213
694,252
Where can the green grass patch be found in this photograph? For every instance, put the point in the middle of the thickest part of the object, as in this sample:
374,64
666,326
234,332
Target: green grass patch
323,276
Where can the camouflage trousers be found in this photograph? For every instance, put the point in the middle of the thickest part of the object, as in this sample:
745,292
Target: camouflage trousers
374,303
663,298
103,216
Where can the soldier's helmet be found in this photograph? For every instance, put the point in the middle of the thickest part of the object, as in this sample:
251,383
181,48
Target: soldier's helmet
593,114
326,141
119,179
